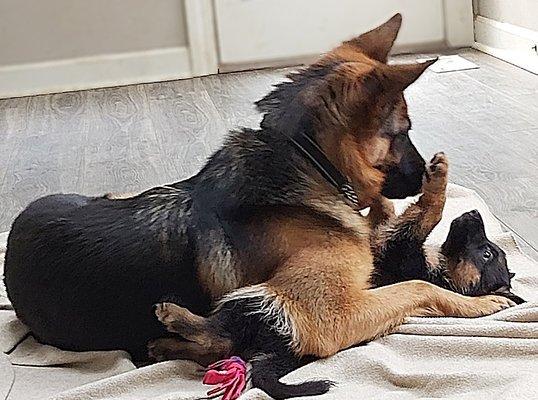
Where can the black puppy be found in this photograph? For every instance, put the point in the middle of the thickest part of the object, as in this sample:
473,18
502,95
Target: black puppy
467,262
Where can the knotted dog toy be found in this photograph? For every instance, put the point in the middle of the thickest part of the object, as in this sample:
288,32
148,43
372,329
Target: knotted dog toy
230,376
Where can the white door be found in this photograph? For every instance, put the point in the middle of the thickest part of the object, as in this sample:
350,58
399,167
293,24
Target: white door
271,32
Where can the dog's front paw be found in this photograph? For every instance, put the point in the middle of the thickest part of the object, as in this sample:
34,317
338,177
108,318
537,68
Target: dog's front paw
436,176
486,305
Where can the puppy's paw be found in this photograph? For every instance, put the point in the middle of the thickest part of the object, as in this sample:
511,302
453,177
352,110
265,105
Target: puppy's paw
436,176
163,349
167,314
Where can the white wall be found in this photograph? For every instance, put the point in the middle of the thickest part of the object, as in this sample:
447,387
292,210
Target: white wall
49,46
508,29
259,33
523,13
43,30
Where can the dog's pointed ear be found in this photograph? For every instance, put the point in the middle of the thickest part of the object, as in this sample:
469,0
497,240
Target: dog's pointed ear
400,76
378,42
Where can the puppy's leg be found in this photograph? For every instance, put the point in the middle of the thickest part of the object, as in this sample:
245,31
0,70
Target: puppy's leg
205,340
419,219
175,349
432,202
405,234
381,210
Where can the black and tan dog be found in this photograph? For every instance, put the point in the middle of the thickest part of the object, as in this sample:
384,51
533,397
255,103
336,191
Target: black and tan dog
254,324
83,273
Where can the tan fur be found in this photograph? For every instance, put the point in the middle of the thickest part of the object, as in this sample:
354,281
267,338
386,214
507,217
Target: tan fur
292,237
177,318
463,275
382,210
325,292
378,42
434,258
219,272
340,211
280,236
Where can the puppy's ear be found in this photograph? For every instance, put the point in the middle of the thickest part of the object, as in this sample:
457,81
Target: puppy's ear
378,42
400,76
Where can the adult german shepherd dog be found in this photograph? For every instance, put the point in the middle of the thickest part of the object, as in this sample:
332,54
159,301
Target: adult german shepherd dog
275,205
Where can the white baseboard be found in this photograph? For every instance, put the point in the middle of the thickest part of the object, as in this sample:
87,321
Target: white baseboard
507,42
95,72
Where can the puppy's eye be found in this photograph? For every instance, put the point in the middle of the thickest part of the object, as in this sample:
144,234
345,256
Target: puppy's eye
487,254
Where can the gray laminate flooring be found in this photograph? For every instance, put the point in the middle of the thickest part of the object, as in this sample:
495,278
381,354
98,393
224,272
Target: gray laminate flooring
134,137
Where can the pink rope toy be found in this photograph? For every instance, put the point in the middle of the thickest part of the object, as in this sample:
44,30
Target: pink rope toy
230,376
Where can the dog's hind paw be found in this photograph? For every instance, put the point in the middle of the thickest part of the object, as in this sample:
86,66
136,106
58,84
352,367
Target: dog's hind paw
167,314
164,349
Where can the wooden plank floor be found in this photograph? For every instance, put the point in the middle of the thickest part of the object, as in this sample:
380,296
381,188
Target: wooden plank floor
135,137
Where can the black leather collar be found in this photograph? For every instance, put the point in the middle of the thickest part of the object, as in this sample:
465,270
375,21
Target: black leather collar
315,155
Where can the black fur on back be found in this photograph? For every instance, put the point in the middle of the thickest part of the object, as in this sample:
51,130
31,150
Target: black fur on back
81,272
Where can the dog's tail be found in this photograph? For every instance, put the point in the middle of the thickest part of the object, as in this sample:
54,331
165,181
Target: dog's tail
267,369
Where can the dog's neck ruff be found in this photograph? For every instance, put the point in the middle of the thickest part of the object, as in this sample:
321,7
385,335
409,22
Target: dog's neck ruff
315,155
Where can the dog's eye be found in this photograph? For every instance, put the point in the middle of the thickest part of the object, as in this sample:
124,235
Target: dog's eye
487,254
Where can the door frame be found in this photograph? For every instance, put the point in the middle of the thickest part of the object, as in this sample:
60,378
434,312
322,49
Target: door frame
202,43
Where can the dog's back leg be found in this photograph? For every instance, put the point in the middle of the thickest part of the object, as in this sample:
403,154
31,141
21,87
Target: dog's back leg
176,349
206,342
188,325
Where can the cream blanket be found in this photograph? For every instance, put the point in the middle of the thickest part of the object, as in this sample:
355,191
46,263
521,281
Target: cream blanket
487,358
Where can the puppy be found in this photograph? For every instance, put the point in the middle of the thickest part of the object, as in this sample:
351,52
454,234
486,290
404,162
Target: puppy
244,324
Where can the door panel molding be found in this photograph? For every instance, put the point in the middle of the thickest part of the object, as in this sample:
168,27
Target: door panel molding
201,36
